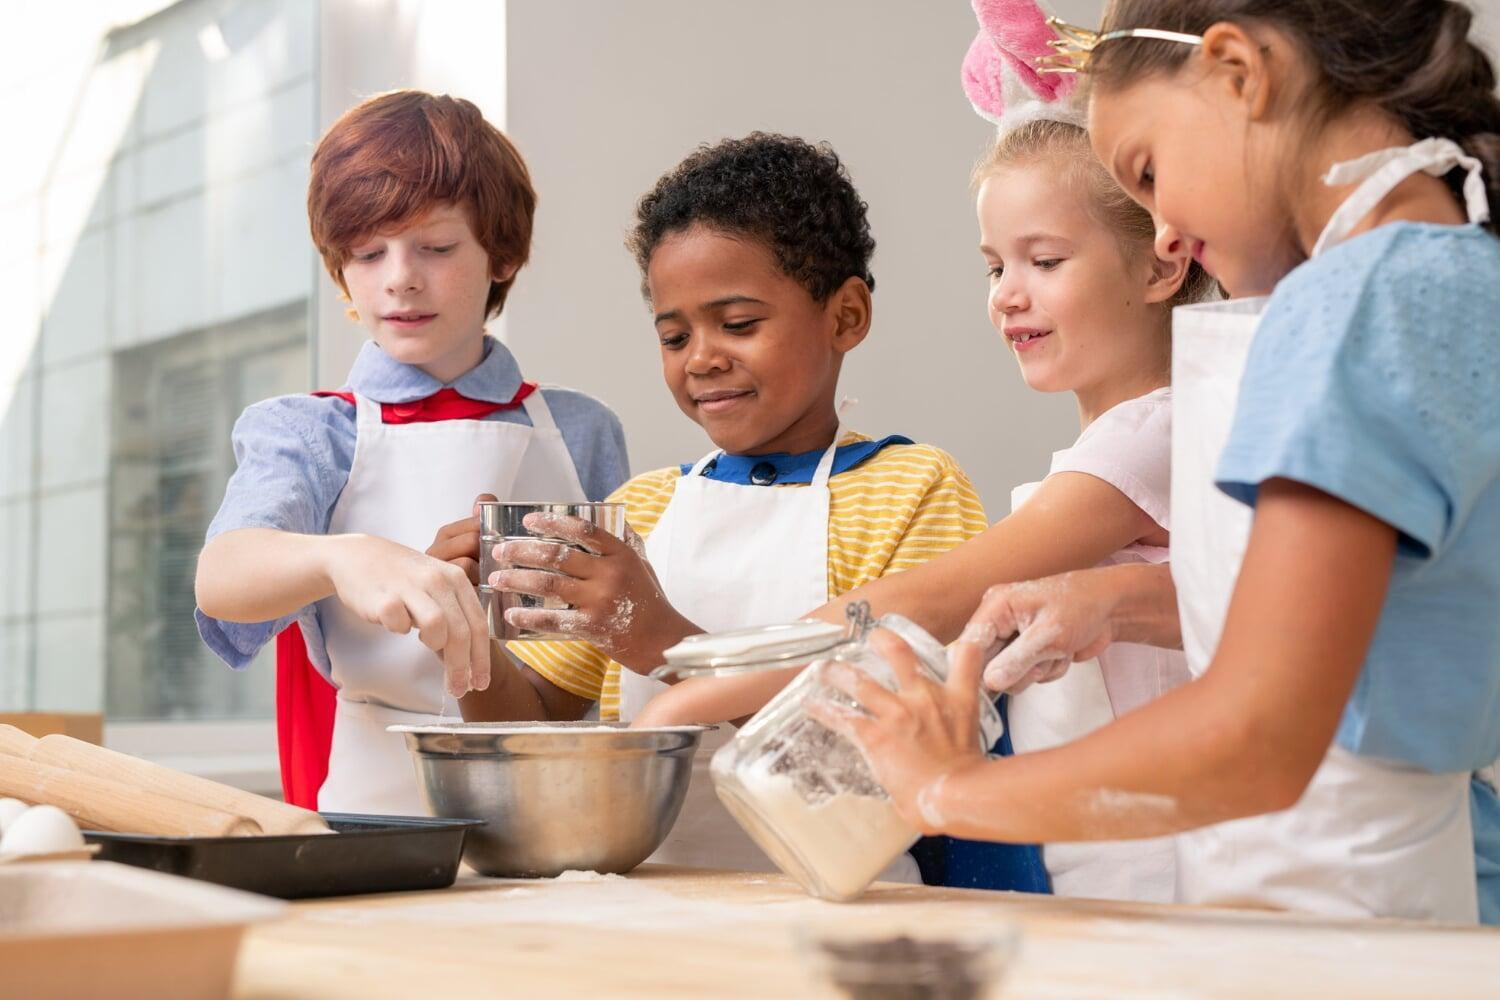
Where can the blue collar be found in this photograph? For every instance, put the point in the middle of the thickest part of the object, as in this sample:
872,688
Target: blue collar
783,469
377,375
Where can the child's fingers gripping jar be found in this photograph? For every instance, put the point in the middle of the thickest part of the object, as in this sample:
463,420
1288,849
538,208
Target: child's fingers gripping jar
801,791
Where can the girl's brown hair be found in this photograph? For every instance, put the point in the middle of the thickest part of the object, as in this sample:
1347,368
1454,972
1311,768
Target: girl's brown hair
1412,58
1067,146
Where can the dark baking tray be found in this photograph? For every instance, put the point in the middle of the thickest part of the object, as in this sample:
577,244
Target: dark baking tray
365,854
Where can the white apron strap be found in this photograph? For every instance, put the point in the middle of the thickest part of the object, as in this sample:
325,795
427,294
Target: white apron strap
825,464
366,413
824,472
1378,173
537,409
702,463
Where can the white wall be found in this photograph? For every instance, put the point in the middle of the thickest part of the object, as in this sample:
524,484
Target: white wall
605,96
1489,25
371,46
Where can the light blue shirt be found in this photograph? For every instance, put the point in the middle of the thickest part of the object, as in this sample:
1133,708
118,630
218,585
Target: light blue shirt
1375,377
294,453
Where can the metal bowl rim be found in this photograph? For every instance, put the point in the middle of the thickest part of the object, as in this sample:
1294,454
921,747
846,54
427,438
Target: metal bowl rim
543,742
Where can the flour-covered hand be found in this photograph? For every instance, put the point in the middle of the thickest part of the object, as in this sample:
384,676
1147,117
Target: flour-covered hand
1032,632
916,736
402,590
615,600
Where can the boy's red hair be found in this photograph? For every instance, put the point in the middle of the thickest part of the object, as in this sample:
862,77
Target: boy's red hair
392,158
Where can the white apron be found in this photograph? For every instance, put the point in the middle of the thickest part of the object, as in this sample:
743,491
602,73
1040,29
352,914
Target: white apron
1368,837
406,481
1048,715
728,557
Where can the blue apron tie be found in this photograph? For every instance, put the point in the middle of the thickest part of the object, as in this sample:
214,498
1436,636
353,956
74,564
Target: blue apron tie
982,864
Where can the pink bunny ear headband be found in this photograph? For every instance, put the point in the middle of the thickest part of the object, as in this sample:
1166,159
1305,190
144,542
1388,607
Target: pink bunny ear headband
1000,74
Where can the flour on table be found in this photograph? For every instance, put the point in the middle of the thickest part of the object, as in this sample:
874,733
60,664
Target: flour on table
608,903
577,875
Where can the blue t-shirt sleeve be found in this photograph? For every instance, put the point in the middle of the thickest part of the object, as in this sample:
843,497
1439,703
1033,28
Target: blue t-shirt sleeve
293,455
595,440
1361,382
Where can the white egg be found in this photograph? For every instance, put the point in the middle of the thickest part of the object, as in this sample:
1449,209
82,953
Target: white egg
41,830
10,810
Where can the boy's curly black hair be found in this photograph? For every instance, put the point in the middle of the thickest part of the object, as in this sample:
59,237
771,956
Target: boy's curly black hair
791,195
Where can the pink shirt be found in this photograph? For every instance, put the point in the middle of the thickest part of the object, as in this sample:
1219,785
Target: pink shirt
1129,446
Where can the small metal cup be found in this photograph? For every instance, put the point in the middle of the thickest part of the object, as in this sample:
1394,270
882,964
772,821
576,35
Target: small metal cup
500,521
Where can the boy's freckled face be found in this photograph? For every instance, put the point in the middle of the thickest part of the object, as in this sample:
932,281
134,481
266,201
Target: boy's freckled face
747,352
420,291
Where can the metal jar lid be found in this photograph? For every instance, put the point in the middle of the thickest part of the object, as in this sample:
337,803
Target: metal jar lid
768,647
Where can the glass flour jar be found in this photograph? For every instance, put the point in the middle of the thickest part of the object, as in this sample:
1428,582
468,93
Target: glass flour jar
802,792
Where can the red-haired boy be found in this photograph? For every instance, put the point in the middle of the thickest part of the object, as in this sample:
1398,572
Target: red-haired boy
422,212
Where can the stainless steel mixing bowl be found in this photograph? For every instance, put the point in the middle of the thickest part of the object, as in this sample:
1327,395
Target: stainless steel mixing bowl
500,521
555,796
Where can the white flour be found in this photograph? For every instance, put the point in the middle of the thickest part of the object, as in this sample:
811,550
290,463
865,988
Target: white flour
623,618
579,875
607,903
846,840
928,799
1113,805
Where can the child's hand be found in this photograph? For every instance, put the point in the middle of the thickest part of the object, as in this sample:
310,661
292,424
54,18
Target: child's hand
398,588
912,737
458,542
617,603
1032,632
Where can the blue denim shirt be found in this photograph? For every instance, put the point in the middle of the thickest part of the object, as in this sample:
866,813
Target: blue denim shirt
294,453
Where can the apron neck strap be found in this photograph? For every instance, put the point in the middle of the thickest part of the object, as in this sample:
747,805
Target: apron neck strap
702,463
825,464
367,412
1378,173
538,411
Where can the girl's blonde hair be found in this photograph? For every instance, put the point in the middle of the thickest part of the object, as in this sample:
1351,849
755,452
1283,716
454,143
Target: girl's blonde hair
1067,146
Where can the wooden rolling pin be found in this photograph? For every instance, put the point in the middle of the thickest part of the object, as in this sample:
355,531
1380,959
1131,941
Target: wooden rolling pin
16,742
85,758
97,803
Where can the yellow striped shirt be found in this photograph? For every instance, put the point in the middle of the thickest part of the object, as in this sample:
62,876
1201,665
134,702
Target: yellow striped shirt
899,508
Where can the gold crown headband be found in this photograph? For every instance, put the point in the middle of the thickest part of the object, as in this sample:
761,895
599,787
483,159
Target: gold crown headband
1073,46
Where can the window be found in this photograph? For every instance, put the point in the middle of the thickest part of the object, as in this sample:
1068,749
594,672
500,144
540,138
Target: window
175,402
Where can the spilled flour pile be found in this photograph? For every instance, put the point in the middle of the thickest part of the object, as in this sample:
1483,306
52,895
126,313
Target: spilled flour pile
576,875
594,900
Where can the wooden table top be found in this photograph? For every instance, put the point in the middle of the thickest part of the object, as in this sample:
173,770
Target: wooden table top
664,932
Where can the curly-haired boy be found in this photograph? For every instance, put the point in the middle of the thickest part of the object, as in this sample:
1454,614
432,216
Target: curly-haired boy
755,256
